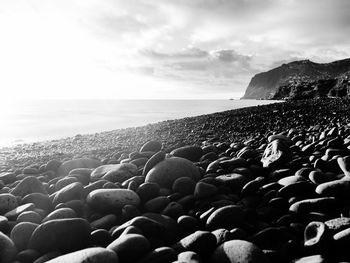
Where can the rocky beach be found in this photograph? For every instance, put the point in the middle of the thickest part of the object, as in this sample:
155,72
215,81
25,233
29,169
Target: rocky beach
267,184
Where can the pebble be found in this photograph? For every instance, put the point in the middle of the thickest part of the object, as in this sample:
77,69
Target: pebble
67,166
167,171
7,202
151,146
28,185
114,172
21,234
280,194
8,250
91,255
238,251
227,217
66,235
189,152
130,247
111,199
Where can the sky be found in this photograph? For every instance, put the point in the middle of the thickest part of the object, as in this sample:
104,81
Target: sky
160,49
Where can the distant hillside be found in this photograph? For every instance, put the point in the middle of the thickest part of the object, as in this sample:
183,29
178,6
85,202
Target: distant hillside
302,79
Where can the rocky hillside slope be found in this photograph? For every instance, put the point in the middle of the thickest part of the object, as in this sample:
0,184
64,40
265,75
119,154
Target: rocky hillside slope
300,80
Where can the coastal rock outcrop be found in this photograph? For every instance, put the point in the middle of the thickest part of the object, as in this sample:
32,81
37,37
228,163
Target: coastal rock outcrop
301,80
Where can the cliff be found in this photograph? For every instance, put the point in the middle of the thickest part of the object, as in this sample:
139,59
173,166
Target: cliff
302,79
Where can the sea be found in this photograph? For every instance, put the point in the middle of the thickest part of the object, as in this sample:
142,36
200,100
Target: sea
28,121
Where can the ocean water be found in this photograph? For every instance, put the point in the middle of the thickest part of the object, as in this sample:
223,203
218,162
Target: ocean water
29,121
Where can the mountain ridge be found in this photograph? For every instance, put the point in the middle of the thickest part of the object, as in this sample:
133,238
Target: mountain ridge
291,80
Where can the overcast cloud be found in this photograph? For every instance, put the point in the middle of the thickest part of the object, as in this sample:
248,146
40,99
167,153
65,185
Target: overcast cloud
195,48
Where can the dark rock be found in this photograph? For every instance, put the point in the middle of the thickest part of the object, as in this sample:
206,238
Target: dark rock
226,217
91,255
130,247
238,251
167,171
65,235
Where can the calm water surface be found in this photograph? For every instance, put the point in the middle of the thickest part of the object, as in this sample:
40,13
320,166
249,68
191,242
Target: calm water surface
38,120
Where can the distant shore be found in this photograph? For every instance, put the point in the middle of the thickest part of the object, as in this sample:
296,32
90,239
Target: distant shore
228,126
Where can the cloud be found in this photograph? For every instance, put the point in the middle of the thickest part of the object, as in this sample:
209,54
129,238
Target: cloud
213,45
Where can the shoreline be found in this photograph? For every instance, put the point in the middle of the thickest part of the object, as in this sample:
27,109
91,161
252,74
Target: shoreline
268,182
232,125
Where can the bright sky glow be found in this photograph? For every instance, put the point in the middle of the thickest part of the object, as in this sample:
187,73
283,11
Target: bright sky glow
143,49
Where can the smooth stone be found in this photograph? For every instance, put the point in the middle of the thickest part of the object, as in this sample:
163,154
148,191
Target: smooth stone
4,224
173,210
27,186
8,202
188,224
130,247
30,216
233,163
151,146
235,181
13,214
114,172
73,191
160,255
184,186
156,204
60,213
238,251
323,204
222,235
301,188
189,257
64,182
27,256
65,235
341,241
340,188
226,217
277,153
21,234
291,180
90,255
82,174
156,158
204,190
78,206
201,242
52,165
147,191
167,171
48,256
344,164
7,178
100,238
189,152
310,259
105,222
111,199
67,166
252,187
8,250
